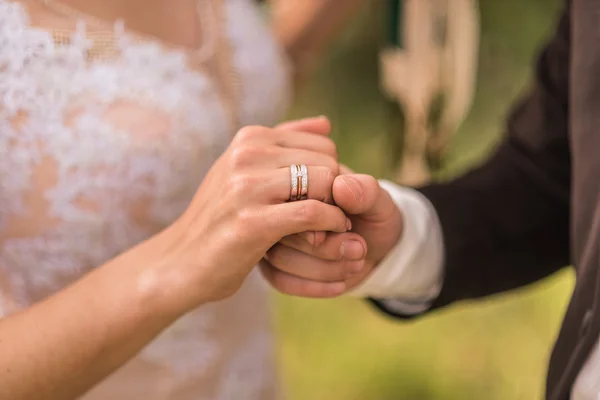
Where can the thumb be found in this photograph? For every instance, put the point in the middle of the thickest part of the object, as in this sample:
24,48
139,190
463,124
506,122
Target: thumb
319,125
361,194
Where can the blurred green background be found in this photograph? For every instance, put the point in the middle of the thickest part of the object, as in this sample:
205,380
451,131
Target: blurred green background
493,349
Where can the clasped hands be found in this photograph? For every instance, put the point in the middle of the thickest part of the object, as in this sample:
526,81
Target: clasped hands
327,264
241,216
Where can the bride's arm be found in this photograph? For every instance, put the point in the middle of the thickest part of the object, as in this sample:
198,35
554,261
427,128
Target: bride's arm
306,27
63,346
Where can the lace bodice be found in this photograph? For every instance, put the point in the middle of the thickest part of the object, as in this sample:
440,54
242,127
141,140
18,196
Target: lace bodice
98,153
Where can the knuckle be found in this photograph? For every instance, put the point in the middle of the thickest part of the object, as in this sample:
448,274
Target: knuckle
243,156
238,157
309,211
328,251
251,132
275,255
247,132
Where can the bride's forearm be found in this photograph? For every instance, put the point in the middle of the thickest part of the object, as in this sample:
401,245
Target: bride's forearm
306,27
61,347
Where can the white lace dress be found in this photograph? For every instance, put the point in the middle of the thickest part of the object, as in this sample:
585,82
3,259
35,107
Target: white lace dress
104,138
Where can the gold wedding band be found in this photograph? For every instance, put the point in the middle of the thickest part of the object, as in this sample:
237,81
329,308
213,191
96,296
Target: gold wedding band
299,178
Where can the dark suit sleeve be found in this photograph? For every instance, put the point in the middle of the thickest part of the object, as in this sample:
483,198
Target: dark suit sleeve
506,223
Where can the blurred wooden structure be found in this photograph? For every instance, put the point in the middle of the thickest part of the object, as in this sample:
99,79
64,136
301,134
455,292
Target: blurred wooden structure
432,53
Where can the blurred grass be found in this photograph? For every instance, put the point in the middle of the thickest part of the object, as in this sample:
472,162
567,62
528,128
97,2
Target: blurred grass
494,349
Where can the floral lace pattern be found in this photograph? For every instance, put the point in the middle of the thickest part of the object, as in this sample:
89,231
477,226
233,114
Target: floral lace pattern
97,155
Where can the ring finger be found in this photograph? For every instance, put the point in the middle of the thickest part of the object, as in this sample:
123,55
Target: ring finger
319,184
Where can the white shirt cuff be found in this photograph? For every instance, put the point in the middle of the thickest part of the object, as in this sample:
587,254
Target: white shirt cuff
410,277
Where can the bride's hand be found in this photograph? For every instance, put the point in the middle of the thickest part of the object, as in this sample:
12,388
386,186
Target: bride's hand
96,325
242,209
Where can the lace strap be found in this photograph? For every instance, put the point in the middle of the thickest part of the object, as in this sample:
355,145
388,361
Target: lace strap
105,41
214,55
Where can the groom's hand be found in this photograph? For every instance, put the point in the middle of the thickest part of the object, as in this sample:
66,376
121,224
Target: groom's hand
340,262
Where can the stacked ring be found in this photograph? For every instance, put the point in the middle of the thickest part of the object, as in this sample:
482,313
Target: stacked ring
299,179
304,188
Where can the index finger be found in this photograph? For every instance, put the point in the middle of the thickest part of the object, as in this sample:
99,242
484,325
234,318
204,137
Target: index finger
319,125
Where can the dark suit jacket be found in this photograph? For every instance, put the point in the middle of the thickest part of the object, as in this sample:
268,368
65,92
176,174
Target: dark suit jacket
534,207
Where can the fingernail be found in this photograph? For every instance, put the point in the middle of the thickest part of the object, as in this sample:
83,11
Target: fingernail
319,238
336,289
352,250
348,224
309,237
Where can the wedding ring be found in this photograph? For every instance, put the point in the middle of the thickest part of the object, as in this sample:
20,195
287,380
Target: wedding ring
304,187
294,172
299,179
299,188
